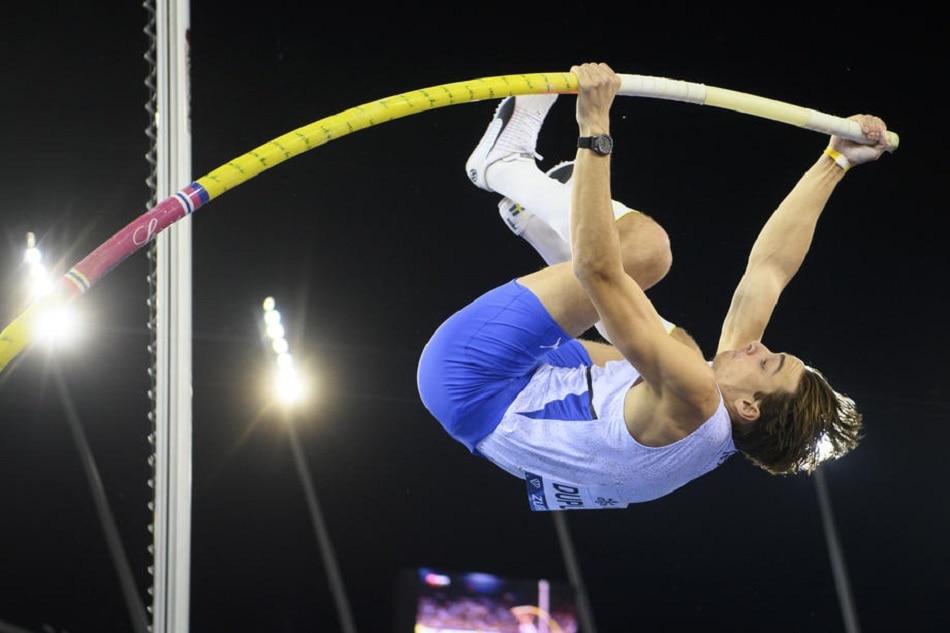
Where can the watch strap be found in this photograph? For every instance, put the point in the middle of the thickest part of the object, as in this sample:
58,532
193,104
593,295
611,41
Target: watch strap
593,143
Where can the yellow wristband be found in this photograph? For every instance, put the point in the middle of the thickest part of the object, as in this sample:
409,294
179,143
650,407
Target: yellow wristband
839,158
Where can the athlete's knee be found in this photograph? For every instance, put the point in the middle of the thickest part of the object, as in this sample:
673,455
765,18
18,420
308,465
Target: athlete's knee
646,248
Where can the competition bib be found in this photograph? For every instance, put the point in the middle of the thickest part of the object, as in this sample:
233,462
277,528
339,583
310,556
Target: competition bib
546,495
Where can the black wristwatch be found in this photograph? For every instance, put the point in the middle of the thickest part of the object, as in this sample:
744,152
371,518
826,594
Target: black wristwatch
601,144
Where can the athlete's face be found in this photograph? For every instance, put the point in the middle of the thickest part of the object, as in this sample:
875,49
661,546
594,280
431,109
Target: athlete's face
756,368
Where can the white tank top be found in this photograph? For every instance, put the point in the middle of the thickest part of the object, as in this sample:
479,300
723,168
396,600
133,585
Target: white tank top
582,464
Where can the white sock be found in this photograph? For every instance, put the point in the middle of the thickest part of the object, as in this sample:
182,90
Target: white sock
550,246
545,240
519,178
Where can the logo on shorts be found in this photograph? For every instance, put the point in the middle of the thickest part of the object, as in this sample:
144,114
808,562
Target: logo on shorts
557,344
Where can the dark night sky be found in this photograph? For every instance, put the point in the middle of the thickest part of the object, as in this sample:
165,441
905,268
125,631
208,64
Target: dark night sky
369,242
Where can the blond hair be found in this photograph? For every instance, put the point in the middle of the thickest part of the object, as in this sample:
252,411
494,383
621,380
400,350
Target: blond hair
798,430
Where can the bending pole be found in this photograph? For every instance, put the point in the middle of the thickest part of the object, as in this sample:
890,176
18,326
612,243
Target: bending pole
19,333
701,94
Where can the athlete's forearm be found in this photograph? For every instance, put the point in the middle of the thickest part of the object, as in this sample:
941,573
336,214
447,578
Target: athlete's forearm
786,237
595,242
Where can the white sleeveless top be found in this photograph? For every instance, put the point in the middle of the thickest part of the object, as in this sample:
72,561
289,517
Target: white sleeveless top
584,464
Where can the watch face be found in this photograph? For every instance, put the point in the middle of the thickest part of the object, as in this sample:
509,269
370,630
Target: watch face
603,144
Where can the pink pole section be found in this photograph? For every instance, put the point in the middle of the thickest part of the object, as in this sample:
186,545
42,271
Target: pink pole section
131,238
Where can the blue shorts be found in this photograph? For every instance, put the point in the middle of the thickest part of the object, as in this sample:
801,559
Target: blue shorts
478,360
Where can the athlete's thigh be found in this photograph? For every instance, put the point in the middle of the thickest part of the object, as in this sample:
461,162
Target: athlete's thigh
563,297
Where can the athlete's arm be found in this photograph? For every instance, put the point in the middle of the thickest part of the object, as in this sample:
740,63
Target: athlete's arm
783,242
683,387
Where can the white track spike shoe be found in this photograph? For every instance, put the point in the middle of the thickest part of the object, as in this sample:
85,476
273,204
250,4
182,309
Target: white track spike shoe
513,132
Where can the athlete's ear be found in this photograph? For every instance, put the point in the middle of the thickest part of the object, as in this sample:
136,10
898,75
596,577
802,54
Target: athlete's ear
748,410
